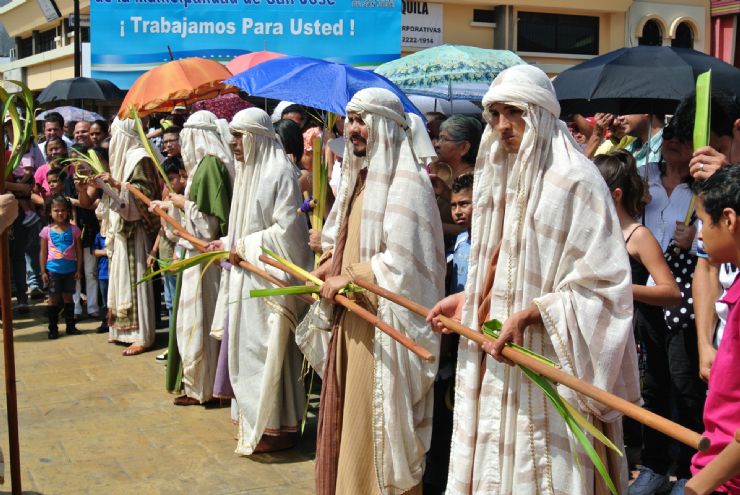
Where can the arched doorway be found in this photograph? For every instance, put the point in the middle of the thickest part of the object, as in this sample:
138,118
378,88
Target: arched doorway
652,34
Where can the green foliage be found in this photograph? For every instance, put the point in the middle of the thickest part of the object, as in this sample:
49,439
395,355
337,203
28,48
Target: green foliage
574,420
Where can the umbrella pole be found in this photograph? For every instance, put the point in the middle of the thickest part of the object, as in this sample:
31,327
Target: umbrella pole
8,351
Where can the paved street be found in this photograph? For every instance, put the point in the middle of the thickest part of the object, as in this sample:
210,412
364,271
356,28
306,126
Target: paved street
95,422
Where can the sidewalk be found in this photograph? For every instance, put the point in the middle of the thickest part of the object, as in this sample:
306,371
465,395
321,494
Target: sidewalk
93,421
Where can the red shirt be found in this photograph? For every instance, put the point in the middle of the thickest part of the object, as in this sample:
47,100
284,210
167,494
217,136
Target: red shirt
722,407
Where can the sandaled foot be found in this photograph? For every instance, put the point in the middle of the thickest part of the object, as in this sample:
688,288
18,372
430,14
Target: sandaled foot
269,443
184,400
134,349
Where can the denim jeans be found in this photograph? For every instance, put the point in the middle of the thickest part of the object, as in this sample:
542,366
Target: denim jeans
33,269
103,284
18,238
170,288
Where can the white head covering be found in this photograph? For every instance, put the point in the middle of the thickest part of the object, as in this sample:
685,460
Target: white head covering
401,238
561,249
199,137
123,138
423,146
277,114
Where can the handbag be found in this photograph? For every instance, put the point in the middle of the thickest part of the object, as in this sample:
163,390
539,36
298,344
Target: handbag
682,264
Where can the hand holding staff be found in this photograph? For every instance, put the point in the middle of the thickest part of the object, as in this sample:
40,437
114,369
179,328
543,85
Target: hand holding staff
659,423
362,313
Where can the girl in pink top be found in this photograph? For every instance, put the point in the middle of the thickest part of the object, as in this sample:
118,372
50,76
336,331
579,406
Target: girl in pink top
718,207
61,263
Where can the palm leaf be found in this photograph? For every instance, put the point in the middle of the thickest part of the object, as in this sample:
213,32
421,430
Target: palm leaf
148,146
703,113
292,265
182,265
285,291
573,419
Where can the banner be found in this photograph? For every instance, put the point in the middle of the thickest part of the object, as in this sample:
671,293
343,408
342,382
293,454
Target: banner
422,25
129,37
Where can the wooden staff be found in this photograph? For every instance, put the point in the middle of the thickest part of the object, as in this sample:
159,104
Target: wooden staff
11,395
722,468
654,421
366,315
201,245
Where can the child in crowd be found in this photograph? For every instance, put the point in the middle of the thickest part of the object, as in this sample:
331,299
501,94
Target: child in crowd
461,205
718,207
164,247
102,255
646,258
55,178
438,458
61,263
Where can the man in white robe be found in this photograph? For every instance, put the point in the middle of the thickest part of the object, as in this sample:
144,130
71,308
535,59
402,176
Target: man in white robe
264,361
204,211
377,396
562,288
130,231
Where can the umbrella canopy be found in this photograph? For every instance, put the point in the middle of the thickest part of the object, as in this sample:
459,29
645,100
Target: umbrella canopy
643,79
449,71
448,107
180,82
313,82
80,88
72,113
249,60
223,106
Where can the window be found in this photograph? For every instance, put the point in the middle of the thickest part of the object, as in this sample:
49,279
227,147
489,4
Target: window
485,16
45,41
684,36
652,34
558,33
25,47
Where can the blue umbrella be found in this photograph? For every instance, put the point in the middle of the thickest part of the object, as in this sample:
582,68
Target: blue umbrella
313,82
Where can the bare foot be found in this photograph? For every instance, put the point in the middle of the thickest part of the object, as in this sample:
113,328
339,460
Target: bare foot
184,400
134,349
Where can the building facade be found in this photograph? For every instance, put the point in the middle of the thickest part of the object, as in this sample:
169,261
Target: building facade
725,41
554,34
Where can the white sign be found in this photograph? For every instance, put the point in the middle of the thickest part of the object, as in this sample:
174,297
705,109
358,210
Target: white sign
421,25
49,8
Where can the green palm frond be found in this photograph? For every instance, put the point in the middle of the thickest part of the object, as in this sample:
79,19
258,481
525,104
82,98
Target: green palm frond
148,146
703,109
574,420
22,132
285,291
182,265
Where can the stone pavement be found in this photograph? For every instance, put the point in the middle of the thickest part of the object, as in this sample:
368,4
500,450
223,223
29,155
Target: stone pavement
95,422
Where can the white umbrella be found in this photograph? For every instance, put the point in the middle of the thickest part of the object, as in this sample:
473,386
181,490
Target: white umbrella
430,104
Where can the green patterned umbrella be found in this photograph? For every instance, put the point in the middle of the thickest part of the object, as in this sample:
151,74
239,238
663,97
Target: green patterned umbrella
451,72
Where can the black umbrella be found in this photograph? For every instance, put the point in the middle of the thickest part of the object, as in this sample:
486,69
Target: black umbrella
643,79
80,88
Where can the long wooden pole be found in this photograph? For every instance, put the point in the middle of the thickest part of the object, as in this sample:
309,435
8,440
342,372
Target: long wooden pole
201,245
659,423
366,315
11,394
722,468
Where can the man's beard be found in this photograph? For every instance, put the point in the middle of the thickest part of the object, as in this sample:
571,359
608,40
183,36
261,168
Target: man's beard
359,153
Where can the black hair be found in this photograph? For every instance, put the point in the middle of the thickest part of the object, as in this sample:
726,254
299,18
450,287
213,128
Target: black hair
102,153
294,108
291,137
173,129
465,181
80,149
435,116
725,111
173,165
102,124
55,139
178,120
59,172
59,199
721,190
54,117
619,170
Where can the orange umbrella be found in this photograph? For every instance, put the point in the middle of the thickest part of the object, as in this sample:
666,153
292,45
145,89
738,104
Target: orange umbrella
179,82
249,60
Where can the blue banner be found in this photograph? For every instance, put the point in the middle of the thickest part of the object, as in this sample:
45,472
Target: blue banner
129,37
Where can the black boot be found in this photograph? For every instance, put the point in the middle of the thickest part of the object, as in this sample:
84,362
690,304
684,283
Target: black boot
103,328
52,313
69,319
